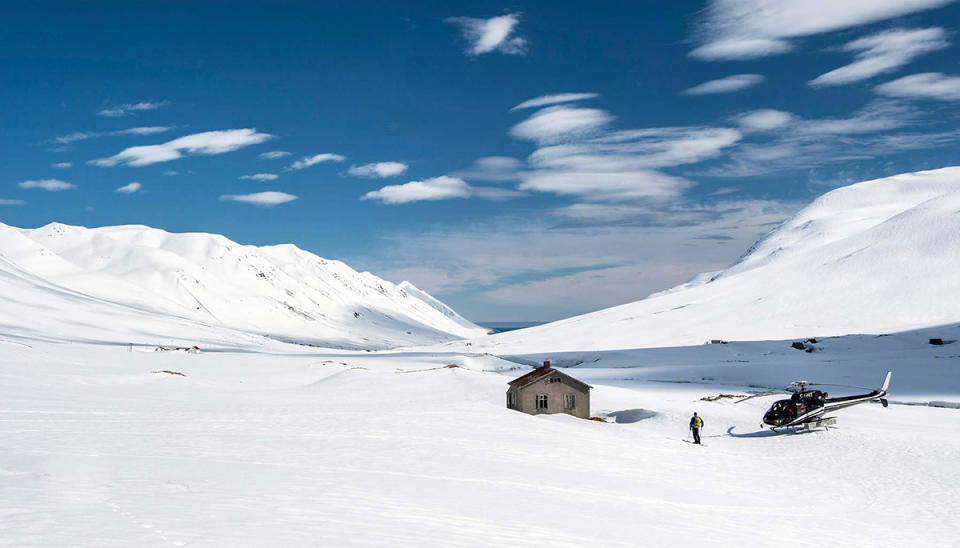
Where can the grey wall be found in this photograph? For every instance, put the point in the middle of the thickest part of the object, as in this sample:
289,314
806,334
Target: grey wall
554,392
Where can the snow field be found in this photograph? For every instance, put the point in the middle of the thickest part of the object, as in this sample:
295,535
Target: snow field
394,449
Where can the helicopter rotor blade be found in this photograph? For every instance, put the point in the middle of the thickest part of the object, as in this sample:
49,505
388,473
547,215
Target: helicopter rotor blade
761,394
842,386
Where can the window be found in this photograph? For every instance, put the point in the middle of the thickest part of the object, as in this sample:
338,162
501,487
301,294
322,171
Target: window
554,379
511,403
541,401
569,401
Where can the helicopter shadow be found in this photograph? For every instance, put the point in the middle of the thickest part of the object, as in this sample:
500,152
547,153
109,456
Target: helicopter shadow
764,433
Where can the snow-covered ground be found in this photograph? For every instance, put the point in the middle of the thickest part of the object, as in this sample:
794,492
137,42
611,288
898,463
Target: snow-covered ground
256,441
875,257
394,449
142,285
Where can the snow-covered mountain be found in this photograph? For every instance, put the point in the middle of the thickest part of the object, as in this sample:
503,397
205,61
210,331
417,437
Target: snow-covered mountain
875,257
139,284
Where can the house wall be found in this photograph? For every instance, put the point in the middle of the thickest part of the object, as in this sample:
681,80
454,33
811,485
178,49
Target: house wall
554,392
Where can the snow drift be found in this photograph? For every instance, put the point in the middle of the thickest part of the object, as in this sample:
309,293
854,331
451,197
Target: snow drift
874,257
139,284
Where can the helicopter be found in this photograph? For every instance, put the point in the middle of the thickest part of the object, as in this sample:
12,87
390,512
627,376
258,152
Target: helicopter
808,407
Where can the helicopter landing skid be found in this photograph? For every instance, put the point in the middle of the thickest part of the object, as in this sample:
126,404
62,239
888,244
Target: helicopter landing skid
825,422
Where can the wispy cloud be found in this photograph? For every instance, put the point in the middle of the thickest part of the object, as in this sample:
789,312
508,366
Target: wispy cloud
748,29
560,123
4,201
607,265
725,85
308,161
492,168
623,165
883,52
436,188
119,111
84,135
554,99
444,187
274,155
494,34
208,142
926,85
765,119
61,165
796,143
129,188
260,177
53,185
378,170
265,199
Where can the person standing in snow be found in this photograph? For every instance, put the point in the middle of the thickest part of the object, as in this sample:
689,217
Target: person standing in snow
696,423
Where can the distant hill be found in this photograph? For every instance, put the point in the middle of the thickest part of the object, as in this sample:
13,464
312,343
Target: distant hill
874,257
139,284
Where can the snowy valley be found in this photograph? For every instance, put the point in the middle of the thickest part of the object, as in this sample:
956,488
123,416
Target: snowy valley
390,429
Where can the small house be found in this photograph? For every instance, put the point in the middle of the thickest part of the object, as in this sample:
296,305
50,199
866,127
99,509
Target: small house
546,390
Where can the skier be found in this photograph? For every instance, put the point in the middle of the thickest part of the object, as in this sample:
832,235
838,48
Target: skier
696,423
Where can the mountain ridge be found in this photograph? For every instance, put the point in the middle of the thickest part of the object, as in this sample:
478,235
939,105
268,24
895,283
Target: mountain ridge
278,291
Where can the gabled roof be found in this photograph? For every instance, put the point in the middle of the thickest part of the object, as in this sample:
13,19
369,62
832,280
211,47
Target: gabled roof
539,373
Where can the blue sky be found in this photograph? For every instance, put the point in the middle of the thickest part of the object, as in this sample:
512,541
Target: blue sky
522,161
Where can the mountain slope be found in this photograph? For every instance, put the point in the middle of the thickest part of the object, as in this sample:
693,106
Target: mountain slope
135,280
874,257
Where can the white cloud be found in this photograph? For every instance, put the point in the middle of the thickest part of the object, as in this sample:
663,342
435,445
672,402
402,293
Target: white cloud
883,52
622,165
926,85
436,188
274,155
559,123
129,188
53,185
208,142
492,168
725,85
11,202
747,29
808,143
646,257
265,199
378,170
555,99
494,34
612,186
61,165
130,108
260,177
765,119
84,135
445,187
308,161
741,49
877,116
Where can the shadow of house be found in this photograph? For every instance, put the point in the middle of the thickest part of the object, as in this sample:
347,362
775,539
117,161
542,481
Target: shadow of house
546,390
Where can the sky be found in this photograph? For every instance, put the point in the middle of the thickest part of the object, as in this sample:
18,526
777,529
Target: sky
522,162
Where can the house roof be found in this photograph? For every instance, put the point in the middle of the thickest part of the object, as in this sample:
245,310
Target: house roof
539,373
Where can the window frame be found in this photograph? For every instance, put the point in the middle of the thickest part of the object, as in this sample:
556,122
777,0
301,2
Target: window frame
569,401
542,398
